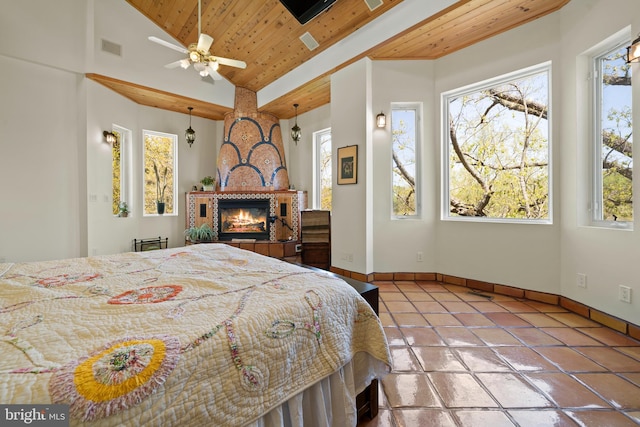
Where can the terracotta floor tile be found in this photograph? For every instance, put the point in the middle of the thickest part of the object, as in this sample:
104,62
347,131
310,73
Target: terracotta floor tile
429,307
573,320
400,307
512,391
421,337
611,359
517,307
386,319
392,296
441,319
438,359
409,319
445,296
633,377
569,360
508,320
601,418
481,359
384,419
460,390
407,285
474,319
630,351
571,337
534,337
609,336
403,359
540,320
500,362
495,336
546,308
458,307
418,296
406,390
487,307
524,359
423,418
565,391
483,418
394,336
615,390
544,418
458,336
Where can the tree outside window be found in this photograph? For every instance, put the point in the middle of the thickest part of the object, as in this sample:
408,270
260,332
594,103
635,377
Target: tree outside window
498,149
160,172
613,195
323,172
404,140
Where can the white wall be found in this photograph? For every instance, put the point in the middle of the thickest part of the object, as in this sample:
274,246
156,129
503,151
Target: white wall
608,257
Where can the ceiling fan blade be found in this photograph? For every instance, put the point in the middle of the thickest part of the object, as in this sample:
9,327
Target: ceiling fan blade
213,73
173,64
204,42
169,45
230,62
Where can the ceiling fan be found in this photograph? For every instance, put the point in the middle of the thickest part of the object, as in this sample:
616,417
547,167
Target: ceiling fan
198,54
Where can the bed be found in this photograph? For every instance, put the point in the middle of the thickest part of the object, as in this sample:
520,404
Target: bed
202,335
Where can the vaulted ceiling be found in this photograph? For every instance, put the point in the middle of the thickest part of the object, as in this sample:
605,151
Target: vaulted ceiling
266,36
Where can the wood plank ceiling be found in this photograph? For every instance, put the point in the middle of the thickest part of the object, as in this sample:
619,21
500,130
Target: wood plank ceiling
266,36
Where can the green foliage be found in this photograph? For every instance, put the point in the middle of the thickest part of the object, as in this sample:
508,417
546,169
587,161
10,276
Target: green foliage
203,233
498,157
207,180
116,179
159,165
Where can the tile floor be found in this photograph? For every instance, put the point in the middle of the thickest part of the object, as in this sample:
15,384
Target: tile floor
464,359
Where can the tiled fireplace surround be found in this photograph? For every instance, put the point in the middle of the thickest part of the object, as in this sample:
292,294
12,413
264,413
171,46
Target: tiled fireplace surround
598,316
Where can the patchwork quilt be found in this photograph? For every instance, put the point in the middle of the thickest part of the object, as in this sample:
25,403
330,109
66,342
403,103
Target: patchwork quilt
202,335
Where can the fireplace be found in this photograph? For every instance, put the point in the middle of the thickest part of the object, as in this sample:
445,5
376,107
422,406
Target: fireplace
243,219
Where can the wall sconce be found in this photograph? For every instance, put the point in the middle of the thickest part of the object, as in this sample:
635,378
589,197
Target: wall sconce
381,120
633,51
190,134
109,137
296,132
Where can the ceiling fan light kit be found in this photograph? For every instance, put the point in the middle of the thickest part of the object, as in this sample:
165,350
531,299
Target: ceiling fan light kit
199,55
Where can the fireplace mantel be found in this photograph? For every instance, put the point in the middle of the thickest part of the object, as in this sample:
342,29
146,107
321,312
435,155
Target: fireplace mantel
285,207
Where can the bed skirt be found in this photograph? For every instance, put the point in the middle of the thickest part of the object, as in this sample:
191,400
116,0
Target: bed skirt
330,402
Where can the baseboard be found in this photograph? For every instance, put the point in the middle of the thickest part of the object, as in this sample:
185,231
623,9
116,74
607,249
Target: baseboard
613,322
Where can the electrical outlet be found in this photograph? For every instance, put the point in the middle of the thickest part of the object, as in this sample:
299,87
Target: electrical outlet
624,294
581,280
419,257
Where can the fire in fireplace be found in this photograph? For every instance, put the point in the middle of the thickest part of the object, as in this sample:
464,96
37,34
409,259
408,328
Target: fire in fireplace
243,219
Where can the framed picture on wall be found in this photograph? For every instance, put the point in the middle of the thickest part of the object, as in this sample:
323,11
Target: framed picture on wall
348,164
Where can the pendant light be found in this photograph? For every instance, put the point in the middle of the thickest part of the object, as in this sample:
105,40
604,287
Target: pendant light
296,132
190,134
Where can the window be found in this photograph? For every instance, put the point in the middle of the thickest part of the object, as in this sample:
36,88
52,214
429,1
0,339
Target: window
405,146
121,169
613,168
322,172
160,172
497,149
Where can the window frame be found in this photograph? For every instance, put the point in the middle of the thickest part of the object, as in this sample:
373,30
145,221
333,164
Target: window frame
174,139
317,155
445,214
596,211
125,137
418,108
